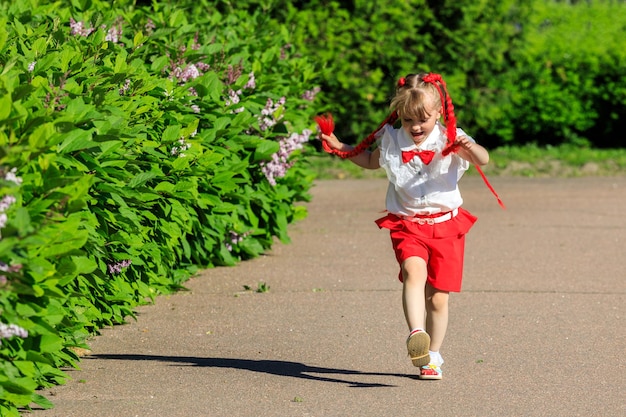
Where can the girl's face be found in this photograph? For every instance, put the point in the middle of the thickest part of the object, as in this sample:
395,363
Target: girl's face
418,128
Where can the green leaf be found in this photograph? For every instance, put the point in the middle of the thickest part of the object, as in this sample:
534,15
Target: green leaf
5,106
84,265
265,150
50,343
75,140
42,401
171,134
141,179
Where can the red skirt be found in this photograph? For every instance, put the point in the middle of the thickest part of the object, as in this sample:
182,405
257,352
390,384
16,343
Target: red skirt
441,245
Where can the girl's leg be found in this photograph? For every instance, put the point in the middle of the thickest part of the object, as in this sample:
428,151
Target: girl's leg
436,316
413,300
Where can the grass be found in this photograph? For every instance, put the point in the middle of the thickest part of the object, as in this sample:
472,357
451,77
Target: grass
523,161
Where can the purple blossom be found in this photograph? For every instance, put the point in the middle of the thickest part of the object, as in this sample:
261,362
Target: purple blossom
116,268
309,95
234,238
149,26
31,66
195,45
125,87
202,66
10,176
182,147
114,33
9,330
9,269
279,164
283,51
5,204
190,72
79,29
233,74
268,114
251,84
234,98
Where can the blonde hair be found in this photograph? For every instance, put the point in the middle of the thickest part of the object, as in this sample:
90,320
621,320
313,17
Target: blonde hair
416,97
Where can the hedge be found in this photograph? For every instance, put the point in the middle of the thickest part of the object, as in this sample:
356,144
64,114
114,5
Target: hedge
137,145
519,72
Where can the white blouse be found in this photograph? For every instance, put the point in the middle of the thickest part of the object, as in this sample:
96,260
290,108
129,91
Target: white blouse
417,188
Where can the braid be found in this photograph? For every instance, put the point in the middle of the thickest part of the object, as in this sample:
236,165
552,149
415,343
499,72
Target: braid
365,143
447,110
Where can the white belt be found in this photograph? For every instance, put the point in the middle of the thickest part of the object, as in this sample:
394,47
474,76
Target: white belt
431,220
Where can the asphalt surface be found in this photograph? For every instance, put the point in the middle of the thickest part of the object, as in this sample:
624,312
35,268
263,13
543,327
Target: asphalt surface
538,330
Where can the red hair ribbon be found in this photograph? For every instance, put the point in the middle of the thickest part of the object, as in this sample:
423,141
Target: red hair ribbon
401,82
325,123
450,121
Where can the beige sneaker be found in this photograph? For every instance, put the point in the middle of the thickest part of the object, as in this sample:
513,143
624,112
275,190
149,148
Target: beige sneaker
417,345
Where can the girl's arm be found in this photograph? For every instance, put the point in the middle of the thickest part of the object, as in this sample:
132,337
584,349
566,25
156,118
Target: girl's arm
472,151
366,159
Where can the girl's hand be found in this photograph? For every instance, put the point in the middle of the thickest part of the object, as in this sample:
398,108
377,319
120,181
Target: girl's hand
471,151
464,142
332,141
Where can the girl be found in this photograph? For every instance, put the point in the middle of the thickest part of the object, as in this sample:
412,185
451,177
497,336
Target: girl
424,160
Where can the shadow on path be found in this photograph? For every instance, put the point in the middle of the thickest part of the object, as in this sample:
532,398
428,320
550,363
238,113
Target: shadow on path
272,367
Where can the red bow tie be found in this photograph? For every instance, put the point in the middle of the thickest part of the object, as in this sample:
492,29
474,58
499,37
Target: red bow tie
425,156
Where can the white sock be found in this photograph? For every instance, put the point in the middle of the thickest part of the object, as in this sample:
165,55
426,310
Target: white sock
435,357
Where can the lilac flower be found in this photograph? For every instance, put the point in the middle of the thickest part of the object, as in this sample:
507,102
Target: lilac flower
268,118
251,84
149,26
309,95
5,204
278,166
116,268
125,87
6,268
283,51
9,330
234,98
79,29
195,108
233,74
190,72
178,150
31,66
202,66
114,34
195,45
10,176
234,238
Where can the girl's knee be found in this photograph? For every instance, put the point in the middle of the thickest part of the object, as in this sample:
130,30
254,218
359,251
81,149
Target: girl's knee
438,300
414,271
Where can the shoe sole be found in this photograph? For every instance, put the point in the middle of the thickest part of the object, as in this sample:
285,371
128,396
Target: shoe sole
417,346
430,377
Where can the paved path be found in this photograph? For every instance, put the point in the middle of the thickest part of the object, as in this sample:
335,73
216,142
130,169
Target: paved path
539,329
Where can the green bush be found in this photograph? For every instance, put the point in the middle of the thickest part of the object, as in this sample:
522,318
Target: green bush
531,71
568,81
137,144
